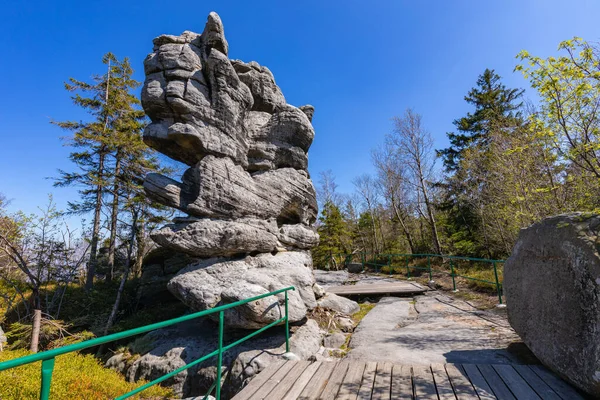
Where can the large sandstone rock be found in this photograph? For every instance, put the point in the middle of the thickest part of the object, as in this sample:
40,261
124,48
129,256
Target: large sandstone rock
217,281
247,190
552,288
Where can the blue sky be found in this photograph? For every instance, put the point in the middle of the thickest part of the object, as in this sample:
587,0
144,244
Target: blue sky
358,62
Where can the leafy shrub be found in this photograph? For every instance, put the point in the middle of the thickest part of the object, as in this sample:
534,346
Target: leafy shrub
76,376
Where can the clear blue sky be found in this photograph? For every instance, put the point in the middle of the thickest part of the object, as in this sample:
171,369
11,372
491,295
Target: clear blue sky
358,62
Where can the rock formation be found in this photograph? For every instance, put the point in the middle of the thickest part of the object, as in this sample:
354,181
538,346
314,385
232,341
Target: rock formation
247,193
552,288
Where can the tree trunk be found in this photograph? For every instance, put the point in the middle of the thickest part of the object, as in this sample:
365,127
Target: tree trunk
36,324
407,233
434,231
113,219
91,269
35,330
115,309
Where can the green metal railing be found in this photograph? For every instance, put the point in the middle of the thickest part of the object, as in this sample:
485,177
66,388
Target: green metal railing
47,357
379,261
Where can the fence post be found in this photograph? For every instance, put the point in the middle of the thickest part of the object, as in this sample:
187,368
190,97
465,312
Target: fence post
452,274
287,325
390,263
220,356
407,269
362,259
47,368
497,285
429,268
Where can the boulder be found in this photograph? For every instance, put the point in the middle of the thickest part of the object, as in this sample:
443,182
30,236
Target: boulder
285,194
219,238
215,281
552,288
355,268
339,304
335,340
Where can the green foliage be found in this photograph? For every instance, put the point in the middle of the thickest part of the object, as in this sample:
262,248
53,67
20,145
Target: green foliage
334,240
364,310
569,87
76,376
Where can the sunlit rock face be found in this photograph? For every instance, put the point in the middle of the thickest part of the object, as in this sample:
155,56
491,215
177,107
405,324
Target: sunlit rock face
247,192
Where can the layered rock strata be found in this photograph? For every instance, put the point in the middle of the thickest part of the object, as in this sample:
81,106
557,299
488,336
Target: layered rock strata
247,194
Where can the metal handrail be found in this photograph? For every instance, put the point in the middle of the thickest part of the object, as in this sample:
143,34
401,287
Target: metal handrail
47,357
451,258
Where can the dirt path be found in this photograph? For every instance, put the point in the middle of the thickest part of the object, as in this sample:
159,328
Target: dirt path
435,328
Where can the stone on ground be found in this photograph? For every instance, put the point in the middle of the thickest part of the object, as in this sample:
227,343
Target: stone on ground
432,329
339,304
552,287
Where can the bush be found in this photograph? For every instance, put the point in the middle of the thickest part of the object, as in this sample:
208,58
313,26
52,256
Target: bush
76,376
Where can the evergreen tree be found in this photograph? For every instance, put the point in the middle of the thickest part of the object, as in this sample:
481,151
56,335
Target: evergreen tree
333,234
116,116
497,112
495,106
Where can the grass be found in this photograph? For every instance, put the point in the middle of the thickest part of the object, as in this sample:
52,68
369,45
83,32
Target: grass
76,376
364,310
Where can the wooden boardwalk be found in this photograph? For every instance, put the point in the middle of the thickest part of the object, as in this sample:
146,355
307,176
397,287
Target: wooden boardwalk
348,379
378,289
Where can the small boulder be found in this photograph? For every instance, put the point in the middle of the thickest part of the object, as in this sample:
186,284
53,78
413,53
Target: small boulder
552,287
345,324
319,291
338,303
335,340
355,268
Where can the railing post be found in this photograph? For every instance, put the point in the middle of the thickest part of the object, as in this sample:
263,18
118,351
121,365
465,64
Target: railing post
220,355
287,325
362,260
407,269
452,274
390,263
47,368
429,268
497,284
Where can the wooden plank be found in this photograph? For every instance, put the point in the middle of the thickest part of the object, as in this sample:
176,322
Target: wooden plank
461,384
258,381
335,381
366,387
383,382
273,381
280,390
442,382
496,383
402,388
351,383
302,381
407,288
540,387
479,383
562,388
315,386
423,382
514,381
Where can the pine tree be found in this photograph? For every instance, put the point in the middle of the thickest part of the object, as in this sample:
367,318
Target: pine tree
115,111
495,106
497,111
333,235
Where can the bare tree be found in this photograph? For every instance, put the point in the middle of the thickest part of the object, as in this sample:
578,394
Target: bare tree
327,189
39,247
391,177
414,148
366,188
